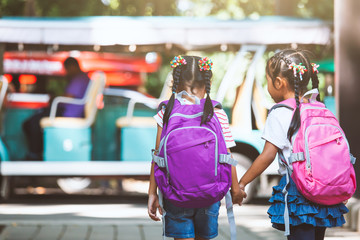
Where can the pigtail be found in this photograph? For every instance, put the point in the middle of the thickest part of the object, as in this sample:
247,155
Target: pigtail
315,79
295,69
208,111
170,104
295,121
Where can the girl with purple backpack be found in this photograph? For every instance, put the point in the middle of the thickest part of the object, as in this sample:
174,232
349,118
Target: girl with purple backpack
288,73
185,216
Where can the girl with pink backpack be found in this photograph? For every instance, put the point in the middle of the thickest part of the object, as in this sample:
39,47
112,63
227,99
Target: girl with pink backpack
192,166
313,153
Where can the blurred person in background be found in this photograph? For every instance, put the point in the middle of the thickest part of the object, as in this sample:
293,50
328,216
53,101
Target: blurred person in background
76,88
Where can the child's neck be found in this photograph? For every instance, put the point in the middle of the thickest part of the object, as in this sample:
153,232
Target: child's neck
289,95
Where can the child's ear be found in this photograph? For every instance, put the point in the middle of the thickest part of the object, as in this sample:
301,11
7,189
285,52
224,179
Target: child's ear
280,83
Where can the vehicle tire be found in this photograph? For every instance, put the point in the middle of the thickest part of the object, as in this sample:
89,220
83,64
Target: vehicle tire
243,165
74,184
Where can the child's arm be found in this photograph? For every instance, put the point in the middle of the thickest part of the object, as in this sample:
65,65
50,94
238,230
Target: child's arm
259,165
153,201
236,192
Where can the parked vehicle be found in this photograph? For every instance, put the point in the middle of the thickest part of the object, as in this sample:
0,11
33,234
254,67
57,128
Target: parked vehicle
123,132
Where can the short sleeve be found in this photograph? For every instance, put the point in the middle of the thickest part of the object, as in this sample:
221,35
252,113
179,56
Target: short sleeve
159,117
224,122
276,127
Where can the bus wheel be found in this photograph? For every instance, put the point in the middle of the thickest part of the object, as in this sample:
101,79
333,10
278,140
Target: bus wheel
244,164
74,184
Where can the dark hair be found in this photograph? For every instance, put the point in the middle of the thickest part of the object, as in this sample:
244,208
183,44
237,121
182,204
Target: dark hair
70,61
189,74
278,65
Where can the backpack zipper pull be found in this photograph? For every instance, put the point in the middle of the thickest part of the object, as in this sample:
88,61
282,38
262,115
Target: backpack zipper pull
206,144
338,141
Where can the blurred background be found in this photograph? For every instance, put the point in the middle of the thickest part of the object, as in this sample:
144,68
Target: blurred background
125,47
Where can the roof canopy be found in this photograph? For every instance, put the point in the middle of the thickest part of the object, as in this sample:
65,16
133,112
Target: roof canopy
188,32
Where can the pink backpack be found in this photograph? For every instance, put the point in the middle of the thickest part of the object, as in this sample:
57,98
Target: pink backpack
321,162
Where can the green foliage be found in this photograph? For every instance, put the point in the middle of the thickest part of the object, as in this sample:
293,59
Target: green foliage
67,8
323,9
237,9
224,9
12,7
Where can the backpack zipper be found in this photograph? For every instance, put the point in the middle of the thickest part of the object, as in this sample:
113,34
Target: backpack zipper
165,144
186,116
308,108
307,152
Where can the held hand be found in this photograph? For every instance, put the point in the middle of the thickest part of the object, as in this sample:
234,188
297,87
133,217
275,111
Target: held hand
243,195
237,194
153,206
236,197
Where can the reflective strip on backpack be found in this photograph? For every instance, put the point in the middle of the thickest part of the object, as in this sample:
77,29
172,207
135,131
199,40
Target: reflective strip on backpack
158,160
286,210
230,214
186,115
161,203
296,157
308,163
226,158
193,127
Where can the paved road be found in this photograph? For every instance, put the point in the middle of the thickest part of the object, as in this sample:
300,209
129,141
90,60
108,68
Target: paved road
64,217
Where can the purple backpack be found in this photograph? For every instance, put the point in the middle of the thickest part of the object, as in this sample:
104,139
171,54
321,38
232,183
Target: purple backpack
193,167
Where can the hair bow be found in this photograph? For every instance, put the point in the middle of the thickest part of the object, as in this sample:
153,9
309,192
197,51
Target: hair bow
205,64
315,68
298,69
177,61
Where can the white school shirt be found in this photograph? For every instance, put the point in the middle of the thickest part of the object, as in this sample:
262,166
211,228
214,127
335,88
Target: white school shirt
220,113
275,131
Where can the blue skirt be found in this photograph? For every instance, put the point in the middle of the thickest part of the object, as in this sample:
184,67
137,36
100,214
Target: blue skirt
301,210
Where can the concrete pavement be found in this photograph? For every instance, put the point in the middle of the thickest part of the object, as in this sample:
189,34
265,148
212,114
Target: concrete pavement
63,220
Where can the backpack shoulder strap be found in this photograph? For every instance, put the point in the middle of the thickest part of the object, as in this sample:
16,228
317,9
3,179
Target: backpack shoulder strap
288,103
162,104
279,106
216,104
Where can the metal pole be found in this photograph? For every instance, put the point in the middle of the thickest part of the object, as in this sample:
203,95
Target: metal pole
347,72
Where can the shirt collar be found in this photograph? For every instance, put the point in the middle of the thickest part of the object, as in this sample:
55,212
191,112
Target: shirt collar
179,96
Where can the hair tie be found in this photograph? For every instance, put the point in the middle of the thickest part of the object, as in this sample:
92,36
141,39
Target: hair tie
298,69
205,64
315,68
177,61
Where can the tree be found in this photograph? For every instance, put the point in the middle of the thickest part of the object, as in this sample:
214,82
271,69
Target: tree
225,9
322,9
67,8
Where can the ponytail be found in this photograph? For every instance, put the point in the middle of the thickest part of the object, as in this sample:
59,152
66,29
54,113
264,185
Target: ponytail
191,71
295,121
315,79
170,104
208,111
296,69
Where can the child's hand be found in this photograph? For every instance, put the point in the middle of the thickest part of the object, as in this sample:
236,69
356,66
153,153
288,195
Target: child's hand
238,197
237,194
243,195
153,206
